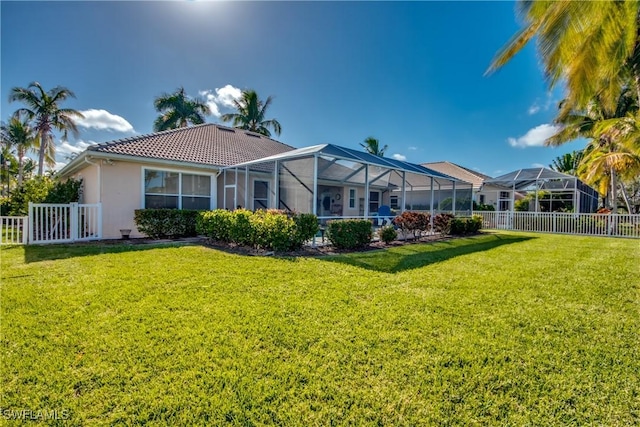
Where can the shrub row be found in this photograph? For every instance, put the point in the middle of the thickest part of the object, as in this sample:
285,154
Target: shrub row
160,223
465,225
419,222
349,233
266,229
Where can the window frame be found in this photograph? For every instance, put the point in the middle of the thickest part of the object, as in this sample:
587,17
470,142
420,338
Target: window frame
353,194
143,193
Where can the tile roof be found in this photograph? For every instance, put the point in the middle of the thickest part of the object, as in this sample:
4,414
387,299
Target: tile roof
457,171
208,144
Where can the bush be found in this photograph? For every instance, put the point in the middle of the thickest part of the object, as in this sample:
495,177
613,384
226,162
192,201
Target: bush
388,234
442,223
241,230
41,189
266,229
215,224
272,230
349,233
306,227
465,225
413,222
159,223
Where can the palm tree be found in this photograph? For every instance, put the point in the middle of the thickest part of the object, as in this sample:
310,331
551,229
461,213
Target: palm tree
589,45
178,110
610,132
43,108
372,146
19,135
567,163
251,113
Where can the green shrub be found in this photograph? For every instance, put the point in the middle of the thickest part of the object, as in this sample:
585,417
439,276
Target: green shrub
266,229
272,230
42,189
465,225
215,224
306,227
159,223
442,223
388,234
241,230
349,233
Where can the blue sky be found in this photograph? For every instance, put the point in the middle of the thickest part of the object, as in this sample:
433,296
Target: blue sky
409,74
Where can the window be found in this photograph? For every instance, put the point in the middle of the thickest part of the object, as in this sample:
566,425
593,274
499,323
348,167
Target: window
482,199
176,190
352,198
374,201
393,202
260,195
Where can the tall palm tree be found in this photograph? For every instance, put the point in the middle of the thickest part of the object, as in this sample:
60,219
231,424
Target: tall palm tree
20,136
589,45
179,110
372,146
567,163
44,110
610,133
251,114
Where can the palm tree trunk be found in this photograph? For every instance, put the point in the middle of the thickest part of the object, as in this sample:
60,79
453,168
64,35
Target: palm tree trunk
625,198
44,140
20,167
614,195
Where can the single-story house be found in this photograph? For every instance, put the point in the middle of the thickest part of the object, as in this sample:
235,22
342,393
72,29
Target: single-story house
211,166
483,192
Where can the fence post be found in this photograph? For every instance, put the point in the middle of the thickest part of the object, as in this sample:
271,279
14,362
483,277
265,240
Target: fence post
25,230
31,228
73,218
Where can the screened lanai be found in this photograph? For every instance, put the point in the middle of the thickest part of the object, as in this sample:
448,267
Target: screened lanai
332,181
546,191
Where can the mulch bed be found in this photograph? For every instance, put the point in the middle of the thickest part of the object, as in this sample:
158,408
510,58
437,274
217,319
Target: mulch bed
323,249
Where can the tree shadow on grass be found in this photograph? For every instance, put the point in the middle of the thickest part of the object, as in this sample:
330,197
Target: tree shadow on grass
408,257
37,253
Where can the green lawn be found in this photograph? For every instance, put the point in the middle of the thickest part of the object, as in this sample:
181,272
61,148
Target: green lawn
497,329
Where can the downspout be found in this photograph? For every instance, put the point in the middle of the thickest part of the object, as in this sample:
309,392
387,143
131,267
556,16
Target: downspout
86,159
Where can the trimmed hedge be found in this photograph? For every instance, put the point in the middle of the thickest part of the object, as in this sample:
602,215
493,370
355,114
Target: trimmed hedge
466,225
349,233
159,223
266,229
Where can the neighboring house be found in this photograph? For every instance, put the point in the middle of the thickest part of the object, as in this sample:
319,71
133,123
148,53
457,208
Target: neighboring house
171,169
211,166
482,193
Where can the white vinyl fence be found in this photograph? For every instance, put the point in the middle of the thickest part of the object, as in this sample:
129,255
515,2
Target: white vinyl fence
13,230
564,223
69,222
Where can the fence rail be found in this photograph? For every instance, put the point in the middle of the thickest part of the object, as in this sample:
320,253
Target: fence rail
13,230
614,225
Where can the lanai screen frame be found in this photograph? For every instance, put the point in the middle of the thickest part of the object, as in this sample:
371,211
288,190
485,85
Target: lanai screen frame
411,175
585,198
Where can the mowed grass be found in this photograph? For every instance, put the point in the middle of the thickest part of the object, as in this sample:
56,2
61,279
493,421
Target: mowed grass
496,329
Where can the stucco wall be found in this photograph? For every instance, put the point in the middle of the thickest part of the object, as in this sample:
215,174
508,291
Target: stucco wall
121,195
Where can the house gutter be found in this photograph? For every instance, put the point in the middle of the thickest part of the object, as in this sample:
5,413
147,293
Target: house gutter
86,159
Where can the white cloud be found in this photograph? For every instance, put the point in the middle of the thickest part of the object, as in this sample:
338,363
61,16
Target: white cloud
537,165
399,157
104,120
534,137
533,109
412,148
221,97
66,149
